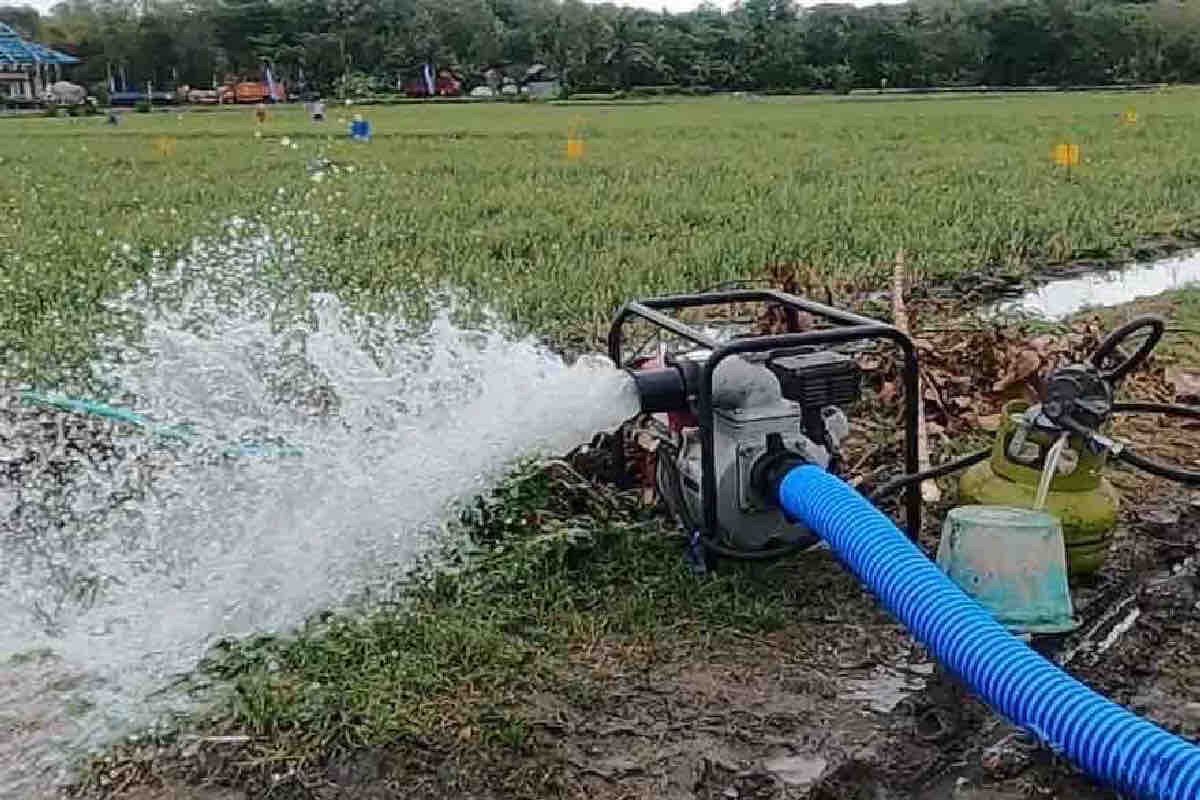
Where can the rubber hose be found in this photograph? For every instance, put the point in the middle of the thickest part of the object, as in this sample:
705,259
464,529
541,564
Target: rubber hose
1171,472
1105,740
1112,344
82,406
1158,467
1188,477
894,485
79,405
179,433
1167,409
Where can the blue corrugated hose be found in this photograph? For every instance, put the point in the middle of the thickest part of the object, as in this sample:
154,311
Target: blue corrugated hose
1103,739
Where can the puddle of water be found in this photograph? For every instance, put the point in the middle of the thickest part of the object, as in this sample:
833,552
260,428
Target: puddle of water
1062,298
886,688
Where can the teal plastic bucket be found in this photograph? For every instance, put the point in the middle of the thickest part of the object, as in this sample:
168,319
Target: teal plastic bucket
1012,561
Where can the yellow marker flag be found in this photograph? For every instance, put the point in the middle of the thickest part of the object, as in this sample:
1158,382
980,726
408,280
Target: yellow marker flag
575,147
165,146
1129,116
1066,155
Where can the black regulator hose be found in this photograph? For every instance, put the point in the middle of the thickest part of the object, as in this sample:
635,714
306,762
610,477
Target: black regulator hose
1167,409
1137,407
1155,326
1122,451
896,484
1188,477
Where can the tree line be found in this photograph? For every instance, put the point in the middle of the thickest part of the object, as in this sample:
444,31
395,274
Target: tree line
358,46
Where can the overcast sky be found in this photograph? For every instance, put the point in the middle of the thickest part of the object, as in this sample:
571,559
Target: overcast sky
656,5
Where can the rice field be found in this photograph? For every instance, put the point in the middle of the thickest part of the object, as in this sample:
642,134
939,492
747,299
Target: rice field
483,199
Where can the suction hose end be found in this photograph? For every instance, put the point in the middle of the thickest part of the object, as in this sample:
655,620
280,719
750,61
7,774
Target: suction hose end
767,474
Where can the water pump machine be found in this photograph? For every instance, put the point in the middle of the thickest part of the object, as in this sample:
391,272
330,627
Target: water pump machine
740,411
748,455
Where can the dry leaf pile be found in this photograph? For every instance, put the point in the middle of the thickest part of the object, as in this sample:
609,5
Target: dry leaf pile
969,374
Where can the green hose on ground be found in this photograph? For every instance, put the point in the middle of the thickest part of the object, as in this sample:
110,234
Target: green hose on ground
177,433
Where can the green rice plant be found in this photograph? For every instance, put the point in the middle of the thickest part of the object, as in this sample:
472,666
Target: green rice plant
671,196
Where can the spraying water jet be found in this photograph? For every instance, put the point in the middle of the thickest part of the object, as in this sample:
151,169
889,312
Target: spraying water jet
125,554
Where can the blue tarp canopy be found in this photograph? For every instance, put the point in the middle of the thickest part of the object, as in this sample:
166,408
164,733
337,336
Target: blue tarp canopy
23,53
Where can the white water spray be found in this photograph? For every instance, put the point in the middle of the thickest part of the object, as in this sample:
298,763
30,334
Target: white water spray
123,559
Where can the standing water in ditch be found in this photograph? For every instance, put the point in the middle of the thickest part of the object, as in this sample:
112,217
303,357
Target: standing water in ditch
125,554
1061,298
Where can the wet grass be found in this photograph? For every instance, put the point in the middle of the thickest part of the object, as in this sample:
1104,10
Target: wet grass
668,197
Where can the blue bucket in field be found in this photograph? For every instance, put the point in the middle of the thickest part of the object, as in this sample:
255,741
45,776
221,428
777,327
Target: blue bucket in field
360,130
1013,563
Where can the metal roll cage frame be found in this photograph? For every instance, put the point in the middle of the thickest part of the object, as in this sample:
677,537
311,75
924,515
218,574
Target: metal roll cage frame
849,327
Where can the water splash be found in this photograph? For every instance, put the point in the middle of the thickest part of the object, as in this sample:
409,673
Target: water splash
123,558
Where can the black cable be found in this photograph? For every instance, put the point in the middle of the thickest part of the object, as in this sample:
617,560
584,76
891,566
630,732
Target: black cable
1123,452
1169,409
1188,477
896,484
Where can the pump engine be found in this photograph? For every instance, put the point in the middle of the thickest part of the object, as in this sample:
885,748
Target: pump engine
731,414
767,409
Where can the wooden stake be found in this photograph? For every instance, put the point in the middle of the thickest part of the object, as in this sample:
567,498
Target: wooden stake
930,492
899,312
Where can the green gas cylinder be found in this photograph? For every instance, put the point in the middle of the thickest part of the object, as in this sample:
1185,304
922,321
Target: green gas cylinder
1083,500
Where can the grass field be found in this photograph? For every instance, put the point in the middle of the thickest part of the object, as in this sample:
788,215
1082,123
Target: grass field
673,196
